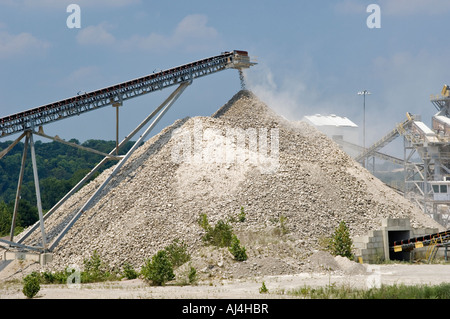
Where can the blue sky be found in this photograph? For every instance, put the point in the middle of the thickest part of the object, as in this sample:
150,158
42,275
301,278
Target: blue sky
313,57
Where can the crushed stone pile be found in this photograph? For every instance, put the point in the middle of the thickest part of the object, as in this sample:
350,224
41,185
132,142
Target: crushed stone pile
294,193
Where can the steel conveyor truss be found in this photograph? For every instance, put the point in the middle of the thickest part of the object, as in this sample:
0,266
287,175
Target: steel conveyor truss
117,94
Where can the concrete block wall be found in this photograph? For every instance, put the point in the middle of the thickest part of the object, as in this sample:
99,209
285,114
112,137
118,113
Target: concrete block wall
369,249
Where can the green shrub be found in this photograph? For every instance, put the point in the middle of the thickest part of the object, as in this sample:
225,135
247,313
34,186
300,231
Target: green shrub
283,227
31,285
263,288
237,250
192,275
129,272
158,269
341,242
242,215
177,253
187,276
203,222
220,235
95,270
47,277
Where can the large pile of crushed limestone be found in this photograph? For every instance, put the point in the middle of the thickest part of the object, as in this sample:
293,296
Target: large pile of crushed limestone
293,195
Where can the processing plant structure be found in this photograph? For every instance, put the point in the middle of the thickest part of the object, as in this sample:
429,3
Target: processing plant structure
426,159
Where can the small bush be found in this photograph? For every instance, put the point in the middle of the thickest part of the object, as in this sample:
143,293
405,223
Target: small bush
95,270
129,272
47,278
31,285
263,288
283,227
192,275
341,242
188,276
203,222
237,250
177,253
242,215
158,269
220,235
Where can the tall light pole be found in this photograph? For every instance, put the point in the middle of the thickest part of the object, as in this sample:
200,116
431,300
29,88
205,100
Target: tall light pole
364,93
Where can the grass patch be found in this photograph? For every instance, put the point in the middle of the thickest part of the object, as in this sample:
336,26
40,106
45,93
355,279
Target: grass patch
401,291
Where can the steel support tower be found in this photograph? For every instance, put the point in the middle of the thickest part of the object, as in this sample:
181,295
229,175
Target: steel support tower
426,158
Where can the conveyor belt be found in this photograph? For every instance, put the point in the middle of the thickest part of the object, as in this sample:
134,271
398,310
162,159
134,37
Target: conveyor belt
420,241
116,94
398,130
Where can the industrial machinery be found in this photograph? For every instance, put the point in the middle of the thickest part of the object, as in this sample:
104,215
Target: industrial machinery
433,242
30,122
427,180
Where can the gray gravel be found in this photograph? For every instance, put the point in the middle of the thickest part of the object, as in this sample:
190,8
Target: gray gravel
158,197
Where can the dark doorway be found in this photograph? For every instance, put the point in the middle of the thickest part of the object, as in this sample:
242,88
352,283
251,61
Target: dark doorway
397,235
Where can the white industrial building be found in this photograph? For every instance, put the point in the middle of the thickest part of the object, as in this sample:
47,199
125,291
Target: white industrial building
337,128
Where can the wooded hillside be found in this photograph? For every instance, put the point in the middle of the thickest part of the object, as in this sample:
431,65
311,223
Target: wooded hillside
60,167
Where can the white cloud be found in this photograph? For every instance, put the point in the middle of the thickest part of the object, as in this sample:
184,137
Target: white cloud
85,78
23,43
350,6
413,7
405,80
64,3
194,26
396,7
191,33
95,35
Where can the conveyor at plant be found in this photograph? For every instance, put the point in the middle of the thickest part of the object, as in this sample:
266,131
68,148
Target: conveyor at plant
432,241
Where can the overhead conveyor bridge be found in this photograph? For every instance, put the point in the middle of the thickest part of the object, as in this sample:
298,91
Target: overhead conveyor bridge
30,122
385,140
117,94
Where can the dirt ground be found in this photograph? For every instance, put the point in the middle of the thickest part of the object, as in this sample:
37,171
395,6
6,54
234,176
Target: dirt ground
278,286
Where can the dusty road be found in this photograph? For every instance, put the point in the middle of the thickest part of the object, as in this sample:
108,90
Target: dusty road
278,286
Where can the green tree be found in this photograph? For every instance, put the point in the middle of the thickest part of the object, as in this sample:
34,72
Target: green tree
220,235
60,168
129,272
238,251
95,269
158,269
31,285
341,242
5,219
177,253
